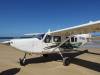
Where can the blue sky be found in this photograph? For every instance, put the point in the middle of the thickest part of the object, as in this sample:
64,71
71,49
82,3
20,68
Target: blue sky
26,16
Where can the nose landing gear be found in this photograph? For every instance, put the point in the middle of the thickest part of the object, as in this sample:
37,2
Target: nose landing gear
23,60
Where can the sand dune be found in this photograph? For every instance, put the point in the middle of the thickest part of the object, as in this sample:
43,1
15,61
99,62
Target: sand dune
85,64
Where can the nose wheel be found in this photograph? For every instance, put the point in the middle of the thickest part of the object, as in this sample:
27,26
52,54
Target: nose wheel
23,60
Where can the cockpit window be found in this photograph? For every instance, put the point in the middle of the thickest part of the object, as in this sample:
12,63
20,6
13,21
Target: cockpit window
40,36
47,39
56,38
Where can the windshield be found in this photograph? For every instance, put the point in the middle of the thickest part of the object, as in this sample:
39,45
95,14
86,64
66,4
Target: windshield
39,36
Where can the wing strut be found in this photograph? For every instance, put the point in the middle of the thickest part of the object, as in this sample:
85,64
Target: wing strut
46,34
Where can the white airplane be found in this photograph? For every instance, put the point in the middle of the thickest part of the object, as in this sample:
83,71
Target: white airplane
58,41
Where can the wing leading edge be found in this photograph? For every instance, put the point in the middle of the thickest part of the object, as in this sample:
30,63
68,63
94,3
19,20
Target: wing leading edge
80,29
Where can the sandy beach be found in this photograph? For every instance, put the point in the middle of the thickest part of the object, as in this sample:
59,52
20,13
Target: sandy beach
84,64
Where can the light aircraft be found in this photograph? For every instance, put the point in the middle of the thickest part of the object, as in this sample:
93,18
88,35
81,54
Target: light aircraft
58,41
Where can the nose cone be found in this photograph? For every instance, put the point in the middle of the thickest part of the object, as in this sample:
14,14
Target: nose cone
26,45
6,43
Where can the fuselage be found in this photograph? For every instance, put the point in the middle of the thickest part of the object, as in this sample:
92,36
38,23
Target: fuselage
38,45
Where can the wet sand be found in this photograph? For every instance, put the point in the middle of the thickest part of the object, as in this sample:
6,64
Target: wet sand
84,64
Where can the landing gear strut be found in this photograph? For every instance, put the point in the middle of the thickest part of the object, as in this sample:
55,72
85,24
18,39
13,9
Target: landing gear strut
23,60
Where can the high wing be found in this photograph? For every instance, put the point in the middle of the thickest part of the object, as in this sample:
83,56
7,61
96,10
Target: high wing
80,29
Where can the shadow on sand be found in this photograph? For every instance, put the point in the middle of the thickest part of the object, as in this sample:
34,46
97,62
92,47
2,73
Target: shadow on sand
55,57
52,57
93,53
88,64
12,71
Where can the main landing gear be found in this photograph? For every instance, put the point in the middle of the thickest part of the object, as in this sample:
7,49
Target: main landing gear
66,60
23,60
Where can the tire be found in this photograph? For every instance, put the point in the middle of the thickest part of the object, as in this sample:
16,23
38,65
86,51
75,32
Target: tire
66,61
22,62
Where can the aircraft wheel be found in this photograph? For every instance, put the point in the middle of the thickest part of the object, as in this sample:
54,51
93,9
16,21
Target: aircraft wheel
22,62
45,55
66,61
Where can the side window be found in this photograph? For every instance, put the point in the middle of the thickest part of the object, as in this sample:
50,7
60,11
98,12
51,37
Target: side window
68,40
47,39
72,39
57,38
76,39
